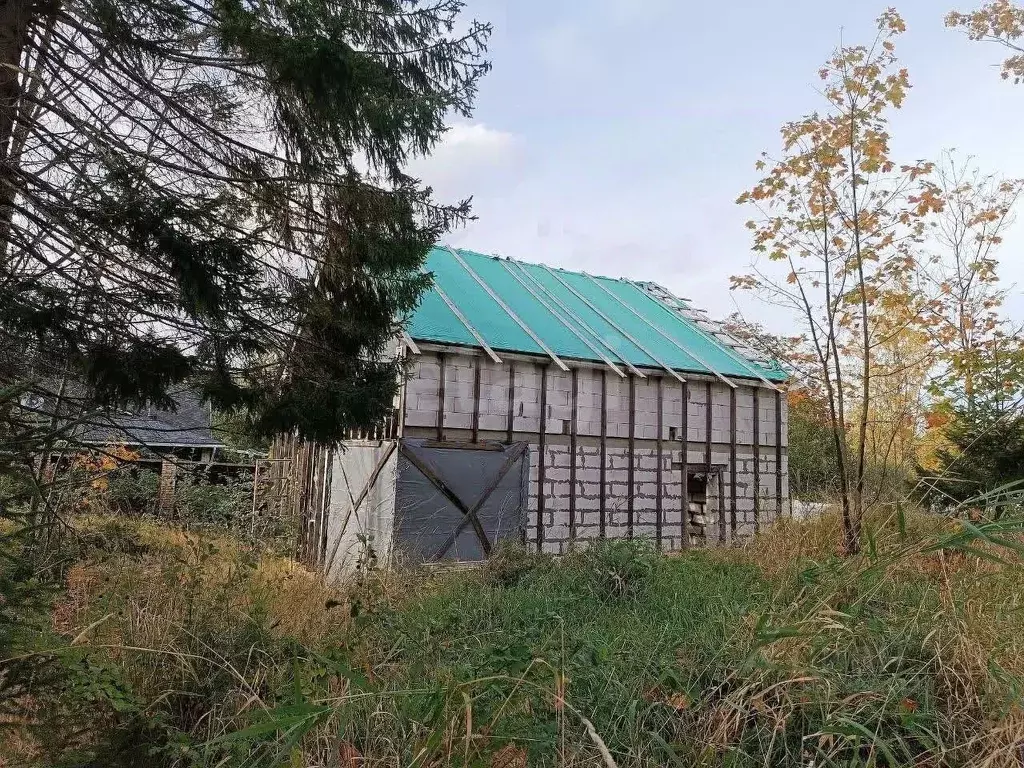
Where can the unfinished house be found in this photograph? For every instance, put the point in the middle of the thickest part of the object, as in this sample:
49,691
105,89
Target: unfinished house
553,407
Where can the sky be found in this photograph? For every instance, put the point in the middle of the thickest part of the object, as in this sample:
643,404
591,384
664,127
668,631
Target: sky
614,136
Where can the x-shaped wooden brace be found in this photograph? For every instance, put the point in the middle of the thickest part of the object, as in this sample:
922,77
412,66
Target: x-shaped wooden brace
469,513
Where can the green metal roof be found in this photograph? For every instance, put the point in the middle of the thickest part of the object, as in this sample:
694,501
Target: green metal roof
575,315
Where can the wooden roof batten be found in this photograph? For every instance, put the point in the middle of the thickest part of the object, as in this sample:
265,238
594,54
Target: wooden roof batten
469,326
508,310
562,318
731,352
589,329
664,335
671,371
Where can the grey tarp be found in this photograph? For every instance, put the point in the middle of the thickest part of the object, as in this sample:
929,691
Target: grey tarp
457,501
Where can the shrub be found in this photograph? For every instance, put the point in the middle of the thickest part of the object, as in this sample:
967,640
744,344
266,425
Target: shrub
511,562
201,504
132,491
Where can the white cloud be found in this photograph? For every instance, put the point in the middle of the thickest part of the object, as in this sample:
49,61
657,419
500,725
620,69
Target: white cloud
477,136
470,156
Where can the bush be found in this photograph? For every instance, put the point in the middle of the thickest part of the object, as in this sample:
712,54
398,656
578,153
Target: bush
201,504
132,491
511,562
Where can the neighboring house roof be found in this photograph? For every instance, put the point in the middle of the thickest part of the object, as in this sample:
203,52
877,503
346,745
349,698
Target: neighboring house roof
575,315
189,425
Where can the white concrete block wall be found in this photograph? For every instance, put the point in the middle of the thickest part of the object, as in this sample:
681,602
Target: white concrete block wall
526,391
720,413
697,413
744,415
672,417
421,416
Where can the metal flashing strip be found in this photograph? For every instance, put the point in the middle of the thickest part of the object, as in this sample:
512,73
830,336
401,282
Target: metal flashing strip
561,318
508,310
462,319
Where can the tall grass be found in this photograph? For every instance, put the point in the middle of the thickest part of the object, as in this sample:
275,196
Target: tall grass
187,649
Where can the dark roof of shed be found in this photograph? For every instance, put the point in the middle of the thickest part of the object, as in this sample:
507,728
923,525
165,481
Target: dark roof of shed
187,425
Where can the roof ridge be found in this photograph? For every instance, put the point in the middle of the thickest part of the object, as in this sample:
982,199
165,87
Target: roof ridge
501,257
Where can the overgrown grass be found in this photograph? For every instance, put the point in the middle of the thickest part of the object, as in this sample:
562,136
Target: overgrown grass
188,649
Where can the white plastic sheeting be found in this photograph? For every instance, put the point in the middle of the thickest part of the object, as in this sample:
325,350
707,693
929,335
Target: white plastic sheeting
361,514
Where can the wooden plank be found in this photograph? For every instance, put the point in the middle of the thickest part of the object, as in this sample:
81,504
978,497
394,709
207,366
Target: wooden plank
778,454
707,429
654,327
469,327
636,372
511,400
515,453
409,343
603,509
508,310
541,460
573,425
325,500
721,504
658,522
757,460
630,507
456,445
441,358
568,320
449,494
476,401
684,469
732,463
709,336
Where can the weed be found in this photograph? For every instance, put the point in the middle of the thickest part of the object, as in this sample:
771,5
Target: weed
211,651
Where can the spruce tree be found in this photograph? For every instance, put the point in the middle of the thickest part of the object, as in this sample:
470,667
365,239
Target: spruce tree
213,192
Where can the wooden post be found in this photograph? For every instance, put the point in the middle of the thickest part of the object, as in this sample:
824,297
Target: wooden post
684,471
732,463
511,400
657,501
476,400
542,458
778,454
603,530
721,505
632,457
440,396
168,478
573,427
757,459
707,429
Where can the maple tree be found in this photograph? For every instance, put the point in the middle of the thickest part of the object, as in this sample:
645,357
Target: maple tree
1002,22
840,220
